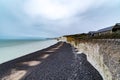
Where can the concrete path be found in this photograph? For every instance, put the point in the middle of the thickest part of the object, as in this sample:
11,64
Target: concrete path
58,62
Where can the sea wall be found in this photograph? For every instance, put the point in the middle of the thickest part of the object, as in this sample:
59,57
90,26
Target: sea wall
103,54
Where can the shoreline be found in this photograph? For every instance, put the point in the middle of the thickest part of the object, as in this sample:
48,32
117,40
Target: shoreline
14,51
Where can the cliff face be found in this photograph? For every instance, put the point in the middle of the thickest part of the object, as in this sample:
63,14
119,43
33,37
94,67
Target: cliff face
103,54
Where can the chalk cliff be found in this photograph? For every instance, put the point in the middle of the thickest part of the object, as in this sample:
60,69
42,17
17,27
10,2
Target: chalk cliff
103,54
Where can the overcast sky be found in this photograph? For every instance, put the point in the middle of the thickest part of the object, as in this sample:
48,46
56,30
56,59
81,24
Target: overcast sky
52,18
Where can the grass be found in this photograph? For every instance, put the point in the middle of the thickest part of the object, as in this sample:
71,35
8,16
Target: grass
108,36
84,36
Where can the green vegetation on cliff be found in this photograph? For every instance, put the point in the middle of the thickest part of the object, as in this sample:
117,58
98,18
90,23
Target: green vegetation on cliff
85,36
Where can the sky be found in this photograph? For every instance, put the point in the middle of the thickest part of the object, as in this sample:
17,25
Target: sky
54,18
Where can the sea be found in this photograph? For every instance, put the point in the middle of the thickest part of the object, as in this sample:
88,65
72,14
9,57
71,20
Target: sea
11,49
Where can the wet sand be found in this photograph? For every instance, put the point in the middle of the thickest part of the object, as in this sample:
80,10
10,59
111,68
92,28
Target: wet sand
57,62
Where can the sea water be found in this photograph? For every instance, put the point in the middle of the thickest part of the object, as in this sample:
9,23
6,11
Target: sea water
11,49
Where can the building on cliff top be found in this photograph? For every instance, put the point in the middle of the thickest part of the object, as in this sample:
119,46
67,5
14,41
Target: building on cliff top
107,30
116,27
